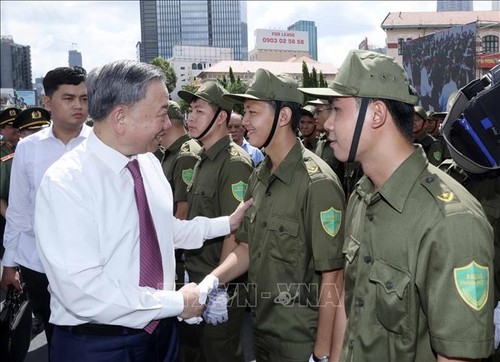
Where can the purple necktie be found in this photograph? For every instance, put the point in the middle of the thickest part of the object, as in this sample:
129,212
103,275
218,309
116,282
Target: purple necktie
151,271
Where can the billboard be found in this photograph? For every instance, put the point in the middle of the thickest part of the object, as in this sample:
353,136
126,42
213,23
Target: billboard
291,40
17,98
441,63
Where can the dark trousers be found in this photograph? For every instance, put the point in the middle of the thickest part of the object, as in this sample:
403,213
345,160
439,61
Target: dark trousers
36,285
161,346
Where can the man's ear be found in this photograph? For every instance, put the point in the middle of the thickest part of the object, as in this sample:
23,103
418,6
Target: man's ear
285,116
46,103
118,119
223,117
379,114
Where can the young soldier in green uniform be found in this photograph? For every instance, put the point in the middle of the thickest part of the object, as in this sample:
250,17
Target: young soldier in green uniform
10,134
418,247
307,127
219,183
435,119
290,240
475,162
431,146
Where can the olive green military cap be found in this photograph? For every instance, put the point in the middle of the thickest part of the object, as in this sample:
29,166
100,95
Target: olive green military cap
308,110
421,112
32,118
8,116
370,75
211,92
270,87
174,111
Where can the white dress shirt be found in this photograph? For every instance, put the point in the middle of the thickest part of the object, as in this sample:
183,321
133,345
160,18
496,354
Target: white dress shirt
34,155
87,230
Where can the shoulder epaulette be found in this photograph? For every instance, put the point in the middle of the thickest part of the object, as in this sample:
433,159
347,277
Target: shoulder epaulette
8,157
238,152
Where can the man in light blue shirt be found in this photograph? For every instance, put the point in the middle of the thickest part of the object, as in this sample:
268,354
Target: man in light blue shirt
237,132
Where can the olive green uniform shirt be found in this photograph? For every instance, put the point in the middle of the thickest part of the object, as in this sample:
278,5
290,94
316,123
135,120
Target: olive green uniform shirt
419,266
324,151
294,231
5,149
5,168
219,183
178,163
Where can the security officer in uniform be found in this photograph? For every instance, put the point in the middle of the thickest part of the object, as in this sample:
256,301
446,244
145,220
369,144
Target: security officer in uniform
418,246
27,122
10,134
218,185
307,127
475,162
431,146
290,240
435,120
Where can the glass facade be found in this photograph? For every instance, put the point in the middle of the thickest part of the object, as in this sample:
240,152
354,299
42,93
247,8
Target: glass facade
454,5
310,27
217,23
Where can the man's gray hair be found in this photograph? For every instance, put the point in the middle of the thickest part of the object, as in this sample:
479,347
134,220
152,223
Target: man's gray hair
121,82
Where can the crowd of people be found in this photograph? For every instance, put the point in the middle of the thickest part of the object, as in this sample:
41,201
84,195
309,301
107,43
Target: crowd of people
333,223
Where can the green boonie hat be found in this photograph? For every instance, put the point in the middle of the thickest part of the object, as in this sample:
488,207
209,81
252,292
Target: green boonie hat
8,115
433,115
317,102
32,118
270,87
211,92
421,112
368,74
174,111
308,110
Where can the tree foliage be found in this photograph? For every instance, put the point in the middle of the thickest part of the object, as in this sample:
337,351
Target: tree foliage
192,87
233,85
169,72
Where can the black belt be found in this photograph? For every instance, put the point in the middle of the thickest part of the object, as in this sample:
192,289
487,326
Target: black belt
100,330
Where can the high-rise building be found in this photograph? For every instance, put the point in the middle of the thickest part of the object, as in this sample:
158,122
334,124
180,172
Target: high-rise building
310,27
217,23
74,58
15,62
495,5
454,5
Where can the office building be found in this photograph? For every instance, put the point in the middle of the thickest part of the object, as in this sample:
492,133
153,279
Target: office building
310,27
75,58
454,5
15,64
189,61
213,23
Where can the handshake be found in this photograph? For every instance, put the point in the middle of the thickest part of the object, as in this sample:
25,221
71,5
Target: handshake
195,298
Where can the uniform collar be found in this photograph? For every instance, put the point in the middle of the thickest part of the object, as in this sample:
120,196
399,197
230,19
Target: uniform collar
216,148
285,171
399,185
178,143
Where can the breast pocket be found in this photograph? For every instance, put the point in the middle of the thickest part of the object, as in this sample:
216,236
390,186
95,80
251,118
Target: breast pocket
283,239
203,200
392,300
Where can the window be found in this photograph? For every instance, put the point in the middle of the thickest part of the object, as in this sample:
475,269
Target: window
182,68
193,66
401,42
490,44
200,66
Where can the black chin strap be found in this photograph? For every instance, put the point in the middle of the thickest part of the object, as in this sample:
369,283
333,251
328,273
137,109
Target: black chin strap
357,131
275,124
210,125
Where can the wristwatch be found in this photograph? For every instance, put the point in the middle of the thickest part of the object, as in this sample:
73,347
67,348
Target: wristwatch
321,359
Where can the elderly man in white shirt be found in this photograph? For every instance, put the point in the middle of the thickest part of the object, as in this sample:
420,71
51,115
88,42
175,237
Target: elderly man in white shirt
66,99
89,228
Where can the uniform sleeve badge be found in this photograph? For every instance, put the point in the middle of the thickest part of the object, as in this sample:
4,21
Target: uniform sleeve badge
239,189
472,282
331,220
187,175
437,155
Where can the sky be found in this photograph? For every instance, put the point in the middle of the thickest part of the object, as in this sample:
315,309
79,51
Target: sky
104,31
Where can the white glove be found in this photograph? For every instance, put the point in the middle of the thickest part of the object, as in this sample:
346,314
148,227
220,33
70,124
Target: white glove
192,320
216,311
206,285
496,320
